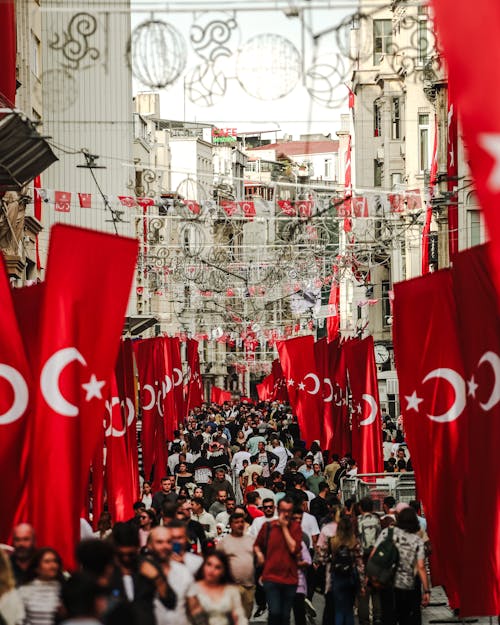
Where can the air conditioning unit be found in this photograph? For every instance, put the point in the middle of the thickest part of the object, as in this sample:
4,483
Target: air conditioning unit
402,149
380,155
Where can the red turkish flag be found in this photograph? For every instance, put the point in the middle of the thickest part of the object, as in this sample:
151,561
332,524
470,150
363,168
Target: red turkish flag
433,400
477,308
333,319
360,206
62,201
127,201
168,391
304,208
15,408
215,394
127,392
413,199
230,208
342,442
150,375
89,276
280,392
365,418
303,384
396,202
248,209
121,496
458,21
177,377
85,200
287,208
194,396
193,206
322,356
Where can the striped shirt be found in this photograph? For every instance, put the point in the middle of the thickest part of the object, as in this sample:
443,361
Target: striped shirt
41,600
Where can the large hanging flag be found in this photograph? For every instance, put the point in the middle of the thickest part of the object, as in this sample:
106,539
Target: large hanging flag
303,384
477,309
127,392
194,396
177,377
333,319
366,419
15,406
342,442
433,402
322,355
280,392
118,471
89,275
458,21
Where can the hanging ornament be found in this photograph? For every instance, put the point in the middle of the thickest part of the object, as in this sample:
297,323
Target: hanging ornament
268,67
156,53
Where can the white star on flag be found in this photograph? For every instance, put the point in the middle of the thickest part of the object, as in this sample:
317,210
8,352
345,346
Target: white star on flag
490,142
302,386
413,401
360,410
290,382
93,388
472,386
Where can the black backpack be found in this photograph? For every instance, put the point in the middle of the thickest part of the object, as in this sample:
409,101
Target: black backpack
381,567
343,562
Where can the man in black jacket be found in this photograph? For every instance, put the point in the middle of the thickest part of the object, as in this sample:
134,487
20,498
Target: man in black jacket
165,494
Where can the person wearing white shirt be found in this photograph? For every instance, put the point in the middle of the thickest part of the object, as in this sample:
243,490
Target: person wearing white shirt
237,461
269,510
282,454
202,516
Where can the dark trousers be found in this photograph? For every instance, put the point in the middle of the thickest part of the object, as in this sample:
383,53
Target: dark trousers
344,592
373,595
260,597
329,611
400,607
279,602
299,609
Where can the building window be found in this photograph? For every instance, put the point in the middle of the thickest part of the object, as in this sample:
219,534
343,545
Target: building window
377,119
382,39
377,173
396,118
474,227
328,168
35,54
423,142
386,303
423,44
396,180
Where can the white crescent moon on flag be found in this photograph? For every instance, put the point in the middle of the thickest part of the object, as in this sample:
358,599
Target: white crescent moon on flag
150,389
179,376
158,403
167,385
458,384
494,361
370,400
317,383
21,394
49,380
130,411
112,431
328,382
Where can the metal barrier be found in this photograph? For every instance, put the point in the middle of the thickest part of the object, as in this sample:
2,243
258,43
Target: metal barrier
401,486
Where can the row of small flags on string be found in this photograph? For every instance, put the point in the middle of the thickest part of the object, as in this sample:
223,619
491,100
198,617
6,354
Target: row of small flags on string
369,204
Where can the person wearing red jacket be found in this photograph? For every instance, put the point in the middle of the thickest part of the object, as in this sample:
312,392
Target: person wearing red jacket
277,549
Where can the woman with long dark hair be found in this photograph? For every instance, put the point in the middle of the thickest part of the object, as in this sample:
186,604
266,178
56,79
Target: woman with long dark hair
214,599
42,596
401,604
346,571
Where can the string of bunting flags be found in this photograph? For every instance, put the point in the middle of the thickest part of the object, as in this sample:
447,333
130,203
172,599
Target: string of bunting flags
358,204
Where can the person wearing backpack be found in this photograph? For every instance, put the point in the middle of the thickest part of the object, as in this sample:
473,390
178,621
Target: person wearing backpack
410,587
346,570
368,531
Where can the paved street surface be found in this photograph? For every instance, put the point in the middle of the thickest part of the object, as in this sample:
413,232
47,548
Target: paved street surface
438,612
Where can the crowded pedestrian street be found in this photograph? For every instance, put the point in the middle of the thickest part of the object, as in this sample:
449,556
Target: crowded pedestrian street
249,312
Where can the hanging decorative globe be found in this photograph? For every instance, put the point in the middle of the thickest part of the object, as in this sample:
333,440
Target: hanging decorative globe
268,67
156,53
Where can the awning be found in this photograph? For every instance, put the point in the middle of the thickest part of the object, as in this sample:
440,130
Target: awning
24,153
138,324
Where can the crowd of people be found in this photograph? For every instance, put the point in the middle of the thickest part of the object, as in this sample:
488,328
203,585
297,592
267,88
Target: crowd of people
247,521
